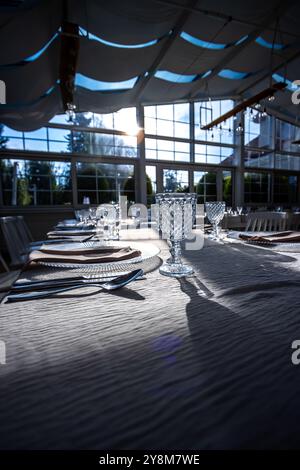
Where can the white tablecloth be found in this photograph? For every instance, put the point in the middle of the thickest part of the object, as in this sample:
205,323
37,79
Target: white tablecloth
197,363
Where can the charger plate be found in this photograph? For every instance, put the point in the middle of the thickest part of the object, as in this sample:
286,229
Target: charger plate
148,251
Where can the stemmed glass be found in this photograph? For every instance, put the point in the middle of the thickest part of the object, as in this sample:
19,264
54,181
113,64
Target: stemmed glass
215,213
82,216
111,219
176,213
92,214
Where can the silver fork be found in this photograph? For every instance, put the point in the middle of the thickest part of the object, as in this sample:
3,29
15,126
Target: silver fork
116,283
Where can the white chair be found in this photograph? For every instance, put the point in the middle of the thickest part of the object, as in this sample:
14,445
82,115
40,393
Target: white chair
233,222
266,221
293,221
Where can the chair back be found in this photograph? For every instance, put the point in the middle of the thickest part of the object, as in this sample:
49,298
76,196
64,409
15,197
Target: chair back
16,245
266,221
293,221
3,263
23,230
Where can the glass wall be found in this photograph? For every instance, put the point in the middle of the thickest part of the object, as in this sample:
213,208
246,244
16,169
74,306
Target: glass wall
214,154
285,189
167,150
259,130
207,111
287,162
175,181
286,134
123,120
269,142
227,187
151,183
257,187
258,159
34,182
170,120
205,185
48,139
104,182
102,153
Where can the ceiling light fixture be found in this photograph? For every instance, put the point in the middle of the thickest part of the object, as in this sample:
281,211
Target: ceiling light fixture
71,112
239,128
253,101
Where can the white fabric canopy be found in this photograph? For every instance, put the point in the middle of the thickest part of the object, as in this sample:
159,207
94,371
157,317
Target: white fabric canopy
170,52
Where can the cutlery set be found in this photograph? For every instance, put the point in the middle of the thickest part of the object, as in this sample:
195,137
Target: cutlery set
40,289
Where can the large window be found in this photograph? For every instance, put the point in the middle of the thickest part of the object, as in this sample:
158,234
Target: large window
170,120
123,120
175,181
285,189
113,145
103,151
151,183
205,185
33,182
258,130
286,134
207,111
257,187
59,140
71,141
105,182
214,154
259,159
227,187
167,150
287,162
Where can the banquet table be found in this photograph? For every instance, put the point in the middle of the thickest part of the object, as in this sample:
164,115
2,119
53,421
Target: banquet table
202,362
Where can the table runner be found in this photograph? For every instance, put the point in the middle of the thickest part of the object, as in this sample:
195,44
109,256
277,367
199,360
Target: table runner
197,363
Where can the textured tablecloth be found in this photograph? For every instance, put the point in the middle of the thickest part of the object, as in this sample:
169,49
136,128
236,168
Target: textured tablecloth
196,363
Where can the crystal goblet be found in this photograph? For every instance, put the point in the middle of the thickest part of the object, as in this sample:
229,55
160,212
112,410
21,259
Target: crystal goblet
111,220
215,212
176,213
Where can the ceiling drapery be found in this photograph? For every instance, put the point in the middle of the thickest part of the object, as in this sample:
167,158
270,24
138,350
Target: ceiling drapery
141,52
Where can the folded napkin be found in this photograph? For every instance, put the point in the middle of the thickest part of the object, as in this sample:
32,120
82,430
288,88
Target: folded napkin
70,233
281,237
105,255
79,249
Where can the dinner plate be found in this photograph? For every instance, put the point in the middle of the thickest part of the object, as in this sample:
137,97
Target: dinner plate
74,232
74,227
148,251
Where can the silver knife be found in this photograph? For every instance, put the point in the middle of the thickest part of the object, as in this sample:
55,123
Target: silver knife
64,282
116,283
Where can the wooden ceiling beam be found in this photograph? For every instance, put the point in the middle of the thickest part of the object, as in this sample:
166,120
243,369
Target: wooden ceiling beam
246,104
69,53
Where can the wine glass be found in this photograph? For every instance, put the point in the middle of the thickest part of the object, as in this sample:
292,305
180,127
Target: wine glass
111,220
176,213
215,213
92,215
